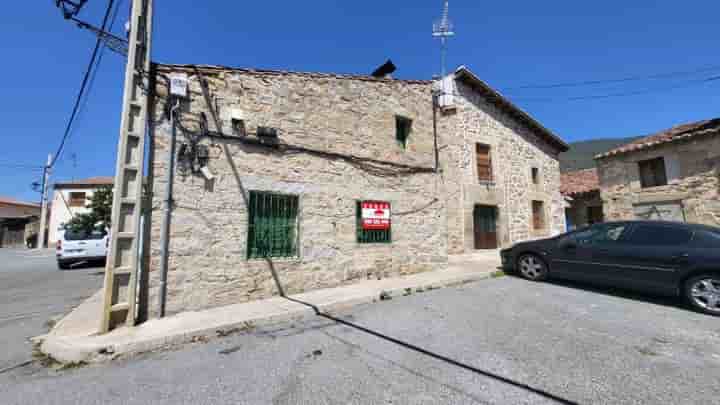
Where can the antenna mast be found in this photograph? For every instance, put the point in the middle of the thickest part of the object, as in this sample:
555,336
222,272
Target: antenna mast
443,29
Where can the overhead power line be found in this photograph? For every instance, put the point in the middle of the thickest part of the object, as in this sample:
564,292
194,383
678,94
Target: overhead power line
621,94
83,85
95,69
611,81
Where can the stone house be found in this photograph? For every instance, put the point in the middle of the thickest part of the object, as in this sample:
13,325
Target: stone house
326,179
671,175
69,199
19,220
581,189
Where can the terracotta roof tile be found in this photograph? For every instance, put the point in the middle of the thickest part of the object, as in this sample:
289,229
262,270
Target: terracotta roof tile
90,181
12,201
578,182
673,134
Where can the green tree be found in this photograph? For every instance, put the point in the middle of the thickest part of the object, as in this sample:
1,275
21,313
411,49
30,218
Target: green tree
100,210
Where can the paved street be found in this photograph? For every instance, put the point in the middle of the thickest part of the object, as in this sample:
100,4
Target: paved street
587,346
32,291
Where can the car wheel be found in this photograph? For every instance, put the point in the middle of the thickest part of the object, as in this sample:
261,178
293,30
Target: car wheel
703,293
532,267
63,265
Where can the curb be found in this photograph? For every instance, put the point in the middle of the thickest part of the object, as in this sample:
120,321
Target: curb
159,334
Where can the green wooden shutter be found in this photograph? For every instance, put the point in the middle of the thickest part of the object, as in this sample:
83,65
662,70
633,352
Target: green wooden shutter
272,230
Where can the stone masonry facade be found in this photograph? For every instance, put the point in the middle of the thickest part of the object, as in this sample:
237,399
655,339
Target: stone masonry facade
693,181
341,115
515,150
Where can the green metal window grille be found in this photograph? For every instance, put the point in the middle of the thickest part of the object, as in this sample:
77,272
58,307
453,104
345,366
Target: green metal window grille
370,235
403,126
273,225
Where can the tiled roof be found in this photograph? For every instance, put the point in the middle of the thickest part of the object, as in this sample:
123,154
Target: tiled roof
90,181
190,68
580,181
673,134
518,113
12,201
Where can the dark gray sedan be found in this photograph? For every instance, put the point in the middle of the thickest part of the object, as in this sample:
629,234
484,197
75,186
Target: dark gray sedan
665,258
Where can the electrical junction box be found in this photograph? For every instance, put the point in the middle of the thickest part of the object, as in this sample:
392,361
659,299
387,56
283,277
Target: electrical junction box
178,84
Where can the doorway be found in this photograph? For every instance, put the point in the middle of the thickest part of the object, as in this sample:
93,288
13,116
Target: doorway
485,227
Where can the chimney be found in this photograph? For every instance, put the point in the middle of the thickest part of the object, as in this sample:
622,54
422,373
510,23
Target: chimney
385,71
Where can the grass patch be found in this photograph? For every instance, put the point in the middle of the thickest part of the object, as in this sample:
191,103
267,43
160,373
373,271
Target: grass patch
497,274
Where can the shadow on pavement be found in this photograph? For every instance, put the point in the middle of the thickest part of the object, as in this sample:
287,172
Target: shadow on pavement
668,301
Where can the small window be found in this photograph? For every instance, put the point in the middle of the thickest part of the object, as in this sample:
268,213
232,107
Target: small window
403,127
652,172
535,175
77,199
658,235
484,163
273,225
370,235
538,215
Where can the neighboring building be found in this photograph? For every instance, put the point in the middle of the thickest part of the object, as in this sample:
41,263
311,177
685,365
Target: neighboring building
348,189
19,221
671,175
581,189
69,199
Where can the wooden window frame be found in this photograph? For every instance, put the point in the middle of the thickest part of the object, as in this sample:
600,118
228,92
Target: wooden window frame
539,223
656,170
484,170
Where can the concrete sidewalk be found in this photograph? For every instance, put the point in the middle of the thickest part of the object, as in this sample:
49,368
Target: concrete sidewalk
74,339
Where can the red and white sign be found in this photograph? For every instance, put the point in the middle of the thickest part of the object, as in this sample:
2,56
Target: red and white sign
375,215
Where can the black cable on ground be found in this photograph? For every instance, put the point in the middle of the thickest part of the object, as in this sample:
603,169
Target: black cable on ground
437,356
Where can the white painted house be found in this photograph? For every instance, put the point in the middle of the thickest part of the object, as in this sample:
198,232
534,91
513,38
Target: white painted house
69,199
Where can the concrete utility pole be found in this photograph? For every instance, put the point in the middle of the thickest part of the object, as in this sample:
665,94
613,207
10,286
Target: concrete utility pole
121,272
44,203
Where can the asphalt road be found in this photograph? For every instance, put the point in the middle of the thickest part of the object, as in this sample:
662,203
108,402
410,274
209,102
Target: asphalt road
33,291
587,346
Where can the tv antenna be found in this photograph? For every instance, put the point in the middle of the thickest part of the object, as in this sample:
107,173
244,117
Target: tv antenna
443,29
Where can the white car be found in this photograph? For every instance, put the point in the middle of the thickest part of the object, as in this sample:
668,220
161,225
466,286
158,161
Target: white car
75,247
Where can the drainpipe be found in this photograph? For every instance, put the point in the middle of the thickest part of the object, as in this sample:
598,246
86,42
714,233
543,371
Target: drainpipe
167,212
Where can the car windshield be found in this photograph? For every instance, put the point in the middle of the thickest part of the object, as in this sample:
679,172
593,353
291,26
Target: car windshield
72,235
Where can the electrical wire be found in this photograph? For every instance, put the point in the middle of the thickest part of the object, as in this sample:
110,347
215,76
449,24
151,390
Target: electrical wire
83,86
610,81
91,82
620,94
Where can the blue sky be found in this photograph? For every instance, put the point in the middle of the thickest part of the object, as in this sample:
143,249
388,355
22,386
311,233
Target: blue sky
508,44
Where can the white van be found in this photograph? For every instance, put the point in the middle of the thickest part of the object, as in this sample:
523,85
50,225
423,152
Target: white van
75,247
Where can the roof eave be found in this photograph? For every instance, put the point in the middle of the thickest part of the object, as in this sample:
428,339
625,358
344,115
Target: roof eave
553,139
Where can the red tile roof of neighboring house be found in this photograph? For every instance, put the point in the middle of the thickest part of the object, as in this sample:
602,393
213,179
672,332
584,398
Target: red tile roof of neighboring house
12,201
673,134
580,181
90,181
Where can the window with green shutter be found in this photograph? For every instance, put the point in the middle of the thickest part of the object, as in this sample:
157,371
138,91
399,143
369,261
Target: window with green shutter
370,235
273,225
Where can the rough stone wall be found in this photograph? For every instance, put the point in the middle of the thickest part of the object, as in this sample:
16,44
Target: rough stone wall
693,172
515,150
208,258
